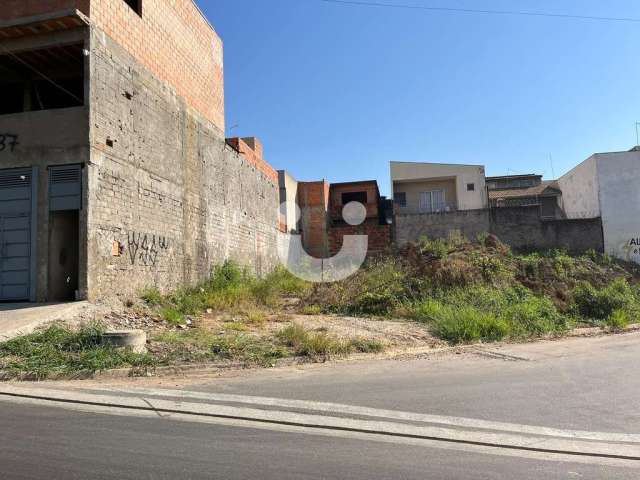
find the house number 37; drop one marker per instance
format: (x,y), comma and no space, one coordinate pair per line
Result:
(8,142)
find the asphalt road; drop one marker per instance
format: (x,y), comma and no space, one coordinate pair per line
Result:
(587,384)
(583,383)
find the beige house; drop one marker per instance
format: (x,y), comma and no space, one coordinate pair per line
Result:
(437,187)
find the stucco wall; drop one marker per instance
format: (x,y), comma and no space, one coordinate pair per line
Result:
(413,190)
(619,181)
(463,174)
(579,186)
(165,186)
(288,202)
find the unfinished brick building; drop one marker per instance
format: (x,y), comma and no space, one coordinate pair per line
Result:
(376,225)
(115,171)
(321,216)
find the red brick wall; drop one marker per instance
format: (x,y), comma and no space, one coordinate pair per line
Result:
(254,155)
(176,43)
(336,198)
(379,236)
(15,9)
(313,200)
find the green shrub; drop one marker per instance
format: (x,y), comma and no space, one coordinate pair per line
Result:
(376,289)
(618,320)
(456,239)
(426,310)
(285,282)
(366,345)
(312,309)
(436,247)
(375,303)
(534,317)
(602,259)
(316,344)
(530,264)
(152,296)
(172,316)
(563,263)
(599,304)
(491,268)
(227,275)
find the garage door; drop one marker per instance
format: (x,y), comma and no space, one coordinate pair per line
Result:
(16,193)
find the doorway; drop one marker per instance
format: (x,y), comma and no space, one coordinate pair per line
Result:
(64,232)
(64,246)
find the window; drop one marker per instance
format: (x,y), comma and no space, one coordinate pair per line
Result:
(135,5)
(348,197)
(400,199)
(433,201)
(471,187)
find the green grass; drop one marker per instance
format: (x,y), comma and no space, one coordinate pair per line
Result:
(204,345)
(229,289)
(312,309)
(319,344)
(618,320)
(469,325)
(172,316)
(488,314)
(248,349)
(58,350)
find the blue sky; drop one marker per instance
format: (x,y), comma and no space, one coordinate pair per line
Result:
(337,92)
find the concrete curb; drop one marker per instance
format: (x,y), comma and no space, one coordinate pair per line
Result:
(190,370)
(45,318)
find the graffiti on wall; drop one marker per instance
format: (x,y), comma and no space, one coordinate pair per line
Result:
(631,249)
(8,142)
(144,248)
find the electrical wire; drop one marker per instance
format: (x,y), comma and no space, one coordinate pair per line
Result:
(362,3)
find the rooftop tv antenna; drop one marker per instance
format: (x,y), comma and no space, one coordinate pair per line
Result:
(553,173)
(637,133)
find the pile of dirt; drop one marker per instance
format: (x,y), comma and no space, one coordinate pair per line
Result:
(552,273)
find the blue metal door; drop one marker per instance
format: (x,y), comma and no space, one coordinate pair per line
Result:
(16,194)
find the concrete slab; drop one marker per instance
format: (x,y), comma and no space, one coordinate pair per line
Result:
(22,318)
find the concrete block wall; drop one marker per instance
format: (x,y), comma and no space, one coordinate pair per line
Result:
(173,41)
(168,198)
(521,228)
(251,148)
(412,227)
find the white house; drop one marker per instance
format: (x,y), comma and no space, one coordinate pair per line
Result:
(437,187)
(607,185)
